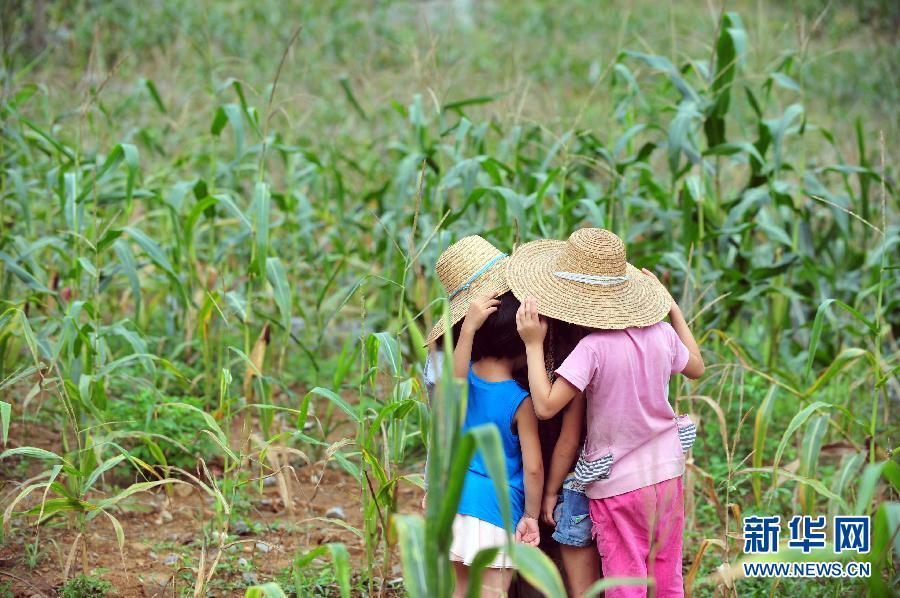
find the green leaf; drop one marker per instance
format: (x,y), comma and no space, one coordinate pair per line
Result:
(844,359)
(785,81)
(760,428)
(99,471)
(490,446)
(134,489)
(231,114)
(281,290)
(336,399)
(154,94)
(32,452)
(340,559)
(848,470)
(819,323)
(124,152)
(537,569)
(348,93)
(484,558)
(120,533)
(885,540)
(129,265)
(389,350)
(411,540)
(22,274)
(459,104)
(228,203)
(210,421)
(812,483)
(5,417)
(797,421)
(260,210)
(809,455)
(53,506)
(156,255)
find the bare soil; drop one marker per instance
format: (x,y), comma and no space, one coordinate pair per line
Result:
(166,532)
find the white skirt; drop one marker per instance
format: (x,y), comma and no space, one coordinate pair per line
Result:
(471,535)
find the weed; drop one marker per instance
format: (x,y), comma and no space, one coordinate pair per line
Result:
(85,586)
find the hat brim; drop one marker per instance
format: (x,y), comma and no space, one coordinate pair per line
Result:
(639,301)
(492,282)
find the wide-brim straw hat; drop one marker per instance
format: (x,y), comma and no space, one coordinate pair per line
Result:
(587,281)
(469,269)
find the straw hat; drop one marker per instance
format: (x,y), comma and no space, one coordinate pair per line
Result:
(586,281)
(468,269)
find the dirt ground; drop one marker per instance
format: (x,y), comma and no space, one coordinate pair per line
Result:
(165,534)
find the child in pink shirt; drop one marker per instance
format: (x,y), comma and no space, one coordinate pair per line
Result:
(633,457)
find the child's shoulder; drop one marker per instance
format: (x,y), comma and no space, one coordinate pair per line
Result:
(599,339)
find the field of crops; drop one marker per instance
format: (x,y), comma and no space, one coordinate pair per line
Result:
(218,229)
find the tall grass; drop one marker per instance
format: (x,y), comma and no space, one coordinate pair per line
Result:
(284,279)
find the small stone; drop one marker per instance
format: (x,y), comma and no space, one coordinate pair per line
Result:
(155,584)
(170,560)
(248,548)
(242,563)
(241,528)
(270,481)
(266,502)
(336,513)
(166,516)
(263,547)
(250,578)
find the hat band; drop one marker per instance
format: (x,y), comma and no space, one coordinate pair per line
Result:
(590,278)
(476,276)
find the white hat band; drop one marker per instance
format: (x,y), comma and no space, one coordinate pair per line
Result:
(590,278)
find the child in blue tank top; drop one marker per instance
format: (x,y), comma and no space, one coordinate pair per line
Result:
(488,353)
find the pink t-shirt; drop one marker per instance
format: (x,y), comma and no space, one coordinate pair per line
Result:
(625,376)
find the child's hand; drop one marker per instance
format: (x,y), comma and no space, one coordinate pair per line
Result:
(479,310)
(532,327)
(527,531)
(548,505)
(647,272)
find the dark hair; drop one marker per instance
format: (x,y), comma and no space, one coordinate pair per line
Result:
(561,340)
(498,336)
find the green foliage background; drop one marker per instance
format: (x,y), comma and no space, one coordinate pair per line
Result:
(199,208)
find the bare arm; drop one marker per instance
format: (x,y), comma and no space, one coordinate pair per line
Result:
(479,311)
(527,530)
(695,366)
(548,399)
(564,454)
(566,449)
(532,461)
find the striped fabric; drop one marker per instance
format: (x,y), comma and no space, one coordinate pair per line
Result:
(588,472)
(687,432)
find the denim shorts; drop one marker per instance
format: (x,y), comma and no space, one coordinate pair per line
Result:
(573,519)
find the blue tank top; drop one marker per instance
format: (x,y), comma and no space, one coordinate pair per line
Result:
(493,403)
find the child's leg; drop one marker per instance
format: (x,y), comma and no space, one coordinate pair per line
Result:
(495,582)
(665,563)
(462,579)
(581,565)
(622,527)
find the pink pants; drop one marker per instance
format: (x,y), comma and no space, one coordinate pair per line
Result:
(639,534)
